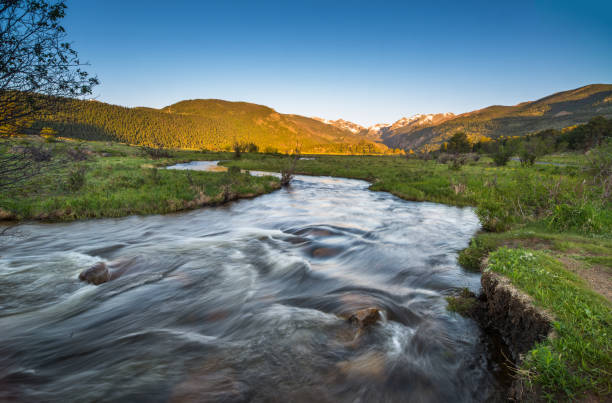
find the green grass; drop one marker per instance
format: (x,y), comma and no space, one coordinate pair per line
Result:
(121,180)
(579,358)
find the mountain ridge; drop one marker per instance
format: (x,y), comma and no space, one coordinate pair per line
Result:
(554,111)
(212,124)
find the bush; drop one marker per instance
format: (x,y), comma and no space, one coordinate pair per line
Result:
(157,152)
(584,218)
(600,167)
(271,150)
(501,156)
(494,216)
(443,158)
(39,154)
(527,157)
(78,153)
(458,144)
(473,157)
(471,257)
(232,171)
(252,148)
(238,149)
(76,178)
(457,162)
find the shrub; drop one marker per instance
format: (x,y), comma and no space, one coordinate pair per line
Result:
(252,148)
(238,149)
(76,178)
(39,154)
(78,153)
(443,158)
(425,156)
(157,152)
(471,257)
(457,162)
(585,218)
(458,144)
(233,171)
(527,157)
(600,167)
(501,156)
(494,216)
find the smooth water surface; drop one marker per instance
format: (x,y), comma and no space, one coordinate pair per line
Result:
(245,303)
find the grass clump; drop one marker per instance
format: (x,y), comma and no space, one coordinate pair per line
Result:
(579,358)
(463,303)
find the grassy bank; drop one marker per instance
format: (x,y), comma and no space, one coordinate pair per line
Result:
(547,228)
(80,180)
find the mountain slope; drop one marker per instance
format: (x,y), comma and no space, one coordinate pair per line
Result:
(559,110)
(204,123)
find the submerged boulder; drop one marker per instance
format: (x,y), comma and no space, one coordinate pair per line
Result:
(101,272)
(96,274)
(365,317)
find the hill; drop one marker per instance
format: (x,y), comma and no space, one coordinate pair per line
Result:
(556,111)
(203,124)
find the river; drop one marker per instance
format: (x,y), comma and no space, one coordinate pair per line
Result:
(244,302)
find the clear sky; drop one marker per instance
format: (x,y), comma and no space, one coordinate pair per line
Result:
(364,61)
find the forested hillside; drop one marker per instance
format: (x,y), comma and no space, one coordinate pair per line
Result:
(203,124)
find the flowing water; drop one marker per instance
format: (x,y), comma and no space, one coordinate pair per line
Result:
(245,302)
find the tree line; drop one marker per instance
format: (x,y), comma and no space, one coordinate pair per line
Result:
(528,148)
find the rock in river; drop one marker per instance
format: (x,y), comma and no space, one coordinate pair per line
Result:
(365,317)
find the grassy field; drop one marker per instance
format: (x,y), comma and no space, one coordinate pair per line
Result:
(98,179)
(547,228)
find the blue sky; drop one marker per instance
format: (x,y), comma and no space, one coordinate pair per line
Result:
(364,61)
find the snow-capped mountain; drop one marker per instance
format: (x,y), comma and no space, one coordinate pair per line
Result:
(379,131)
(422,120)
(342,124)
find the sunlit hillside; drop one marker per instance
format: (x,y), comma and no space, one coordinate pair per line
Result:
(204,124)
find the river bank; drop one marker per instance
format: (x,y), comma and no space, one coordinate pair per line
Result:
(82,180)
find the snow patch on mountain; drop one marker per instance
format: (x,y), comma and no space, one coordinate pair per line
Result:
(379,129)
(342,124)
